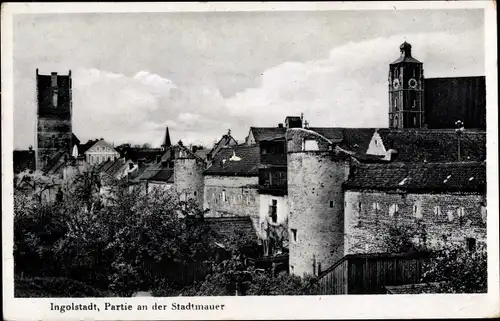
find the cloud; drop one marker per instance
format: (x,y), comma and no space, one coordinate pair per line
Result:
(137,108)
(348,88)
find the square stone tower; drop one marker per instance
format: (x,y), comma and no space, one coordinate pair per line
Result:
(54,128)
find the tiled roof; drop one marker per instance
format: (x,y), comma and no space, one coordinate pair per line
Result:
(163,175)
(353,139)
(24,160)
(245,163)
(144,154)
(227,228)
(267,133)
(405,59)
(134,177)
(82,148)
(226,140)
(436,177)
(426,145)
(56,162)
(202,153)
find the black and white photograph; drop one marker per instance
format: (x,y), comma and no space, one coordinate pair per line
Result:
(212,154)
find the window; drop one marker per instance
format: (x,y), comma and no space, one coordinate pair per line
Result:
(437,210)
(460,212)
(417,211)
(54,98)
(292,269)
(273,211)
(310,144)
(331,204)
(360,207)
(471,244)
(393,209)
(224,196)
(376,207)
(450,215)
(294,234)
(195,193)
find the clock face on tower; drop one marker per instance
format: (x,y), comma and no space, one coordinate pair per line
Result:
(412,83)
(395,83)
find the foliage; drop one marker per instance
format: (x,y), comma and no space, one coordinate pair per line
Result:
(124,245)
(234,277)
(458,270)
(404,237)
(43,287)
(453,268)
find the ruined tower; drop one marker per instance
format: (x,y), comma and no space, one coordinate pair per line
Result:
(406,91)
(188,175)
(54,129)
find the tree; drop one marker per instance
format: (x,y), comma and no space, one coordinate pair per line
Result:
(125,245)
(458,270)
(454,268)
(404,237)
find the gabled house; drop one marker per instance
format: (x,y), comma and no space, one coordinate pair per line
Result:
(101,152)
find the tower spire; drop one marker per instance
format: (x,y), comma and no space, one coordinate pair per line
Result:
(166,141)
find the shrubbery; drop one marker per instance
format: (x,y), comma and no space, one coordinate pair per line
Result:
(131,242)
(453,267)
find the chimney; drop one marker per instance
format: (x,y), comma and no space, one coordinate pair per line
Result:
(280,125)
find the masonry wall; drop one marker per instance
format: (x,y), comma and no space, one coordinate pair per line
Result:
(316,211)
(158,186)
(188,179)
(367,218)
(241,196)
(265,201)
(53,135)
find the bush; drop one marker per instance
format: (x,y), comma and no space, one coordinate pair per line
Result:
(123,245)
(458,270)
(56,287)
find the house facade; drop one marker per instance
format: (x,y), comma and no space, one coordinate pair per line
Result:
(101,152)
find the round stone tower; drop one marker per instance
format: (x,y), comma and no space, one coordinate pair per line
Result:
(188,175)
(316,172)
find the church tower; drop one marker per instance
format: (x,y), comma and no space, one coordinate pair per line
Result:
(406,91)
(54,128)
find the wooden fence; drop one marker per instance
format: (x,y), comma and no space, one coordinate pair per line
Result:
(177,274)
(370,273)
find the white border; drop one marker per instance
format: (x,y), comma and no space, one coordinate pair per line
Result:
(303,307)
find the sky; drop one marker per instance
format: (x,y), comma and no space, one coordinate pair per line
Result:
(203,73)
